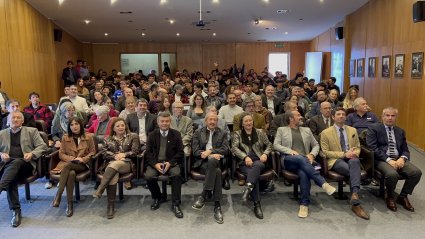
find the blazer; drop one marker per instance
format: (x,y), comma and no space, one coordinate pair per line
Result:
(95,125)
(259,121)
(317,125)
(278,121)
(283,141)
(241,150)
(28,120)
(377,140)
(220,144)
(174,151)
(31,142)
(69,151)
(150,123)
(130,147)
(276,102)
(329,142)
(185,128)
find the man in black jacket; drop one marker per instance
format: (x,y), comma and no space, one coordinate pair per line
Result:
(164,154)
(13,105)
(69,74)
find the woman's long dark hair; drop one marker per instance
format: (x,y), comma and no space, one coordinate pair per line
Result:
(80,122)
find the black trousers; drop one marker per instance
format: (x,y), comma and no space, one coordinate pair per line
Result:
(151,176)
(9,177)
(213,181)
(410,172)
(253,176)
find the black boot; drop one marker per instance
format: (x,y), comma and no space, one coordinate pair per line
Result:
(107,177)
(16,218)
(112,194)
(58,196)
(257,210)
(70,195)
(246,192)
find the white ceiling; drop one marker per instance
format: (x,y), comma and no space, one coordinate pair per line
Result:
(231,20)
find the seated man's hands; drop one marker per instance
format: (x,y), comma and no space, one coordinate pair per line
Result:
(5,157)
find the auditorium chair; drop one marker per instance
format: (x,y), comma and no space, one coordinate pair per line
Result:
(164,179)
(197,176)
(41,126)
(287,175)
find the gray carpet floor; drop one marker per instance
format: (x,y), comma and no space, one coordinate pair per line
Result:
(328,216)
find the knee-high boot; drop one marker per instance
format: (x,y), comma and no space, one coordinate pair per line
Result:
(107,177)
(70,194)
(62,183)
(112,193)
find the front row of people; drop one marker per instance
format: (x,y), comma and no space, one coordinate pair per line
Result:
(297,146)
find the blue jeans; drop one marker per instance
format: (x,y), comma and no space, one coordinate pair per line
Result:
(299,164)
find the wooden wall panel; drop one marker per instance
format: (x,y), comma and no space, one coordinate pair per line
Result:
(189,56)
(6,77)
(298,50)
(223,54)
(106,57)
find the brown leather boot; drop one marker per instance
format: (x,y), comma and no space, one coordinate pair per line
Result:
(70,194)
(112,193)
(107,177)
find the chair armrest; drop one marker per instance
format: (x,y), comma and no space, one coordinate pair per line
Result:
(324,163)
(53,161)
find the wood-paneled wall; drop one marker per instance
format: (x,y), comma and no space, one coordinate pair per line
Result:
(28,53)
(385,27)
(200,56)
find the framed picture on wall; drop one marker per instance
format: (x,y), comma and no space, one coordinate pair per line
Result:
(386,66)
(352,68)
(399,65)
(371,69)
(417,65)
(360,67)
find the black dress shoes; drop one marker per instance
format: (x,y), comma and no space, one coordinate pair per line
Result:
(404,201)
(391,204)
(155,205)
(218,215)
(177,211)
(258,211)
(246,192)
(226,184)
(199,204)
(16,218)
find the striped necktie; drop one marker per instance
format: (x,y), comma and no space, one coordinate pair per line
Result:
(391,143)
(342,140)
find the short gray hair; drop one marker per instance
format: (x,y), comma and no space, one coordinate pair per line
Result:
(102,110)
(357,101)
(389,108)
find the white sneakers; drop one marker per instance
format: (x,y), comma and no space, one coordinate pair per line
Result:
(48,185)
(303,212)
(328,188)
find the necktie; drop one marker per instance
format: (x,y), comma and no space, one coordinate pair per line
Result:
(391,143)
(327,122)
(342,139)
(163,134)
(178,121)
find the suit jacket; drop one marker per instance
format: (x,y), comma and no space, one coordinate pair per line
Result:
(120,105)
(185,128)
(283,141)
(317,125)
(278,121)
(377,141)
(150,123)
(31,142)
(241,150)
(28,120)
(174,151)
(330,144)
(259,121)
(69,151)
(276,102)
(220,144)
(95,125)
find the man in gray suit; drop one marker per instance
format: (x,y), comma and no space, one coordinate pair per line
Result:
(19,145)
(298,148)
(183,124)
(142,122)
(321,121)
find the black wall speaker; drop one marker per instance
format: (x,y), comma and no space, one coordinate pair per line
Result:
(57,35)
(339,33)
(419,11)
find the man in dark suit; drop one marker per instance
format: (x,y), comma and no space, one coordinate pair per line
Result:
(210,146)
(142,122)
(13,105)
(164,154)
(270,101)
(69,74)
(19,145)
(392,158)
(279,120)
(321,121)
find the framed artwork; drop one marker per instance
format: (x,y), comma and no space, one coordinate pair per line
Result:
(371,69)
(417,65)
(386,66)
(399,65)
(352,68)
(360,67)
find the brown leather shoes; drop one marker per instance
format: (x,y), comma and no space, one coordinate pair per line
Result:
(391,204)
(360,212)
(404,201)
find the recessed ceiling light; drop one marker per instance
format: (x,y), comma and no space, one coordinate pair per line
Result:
(60,2)
(162,2)
(266,1)
(177,34)
(106,34)
(286,33)
(87,21)
(171,21)
(216,1)
(113,1)
(143,34)
(214,34)
(322,1)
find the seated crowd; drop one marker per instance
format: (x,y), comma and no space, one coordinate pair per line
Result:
(206,126)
